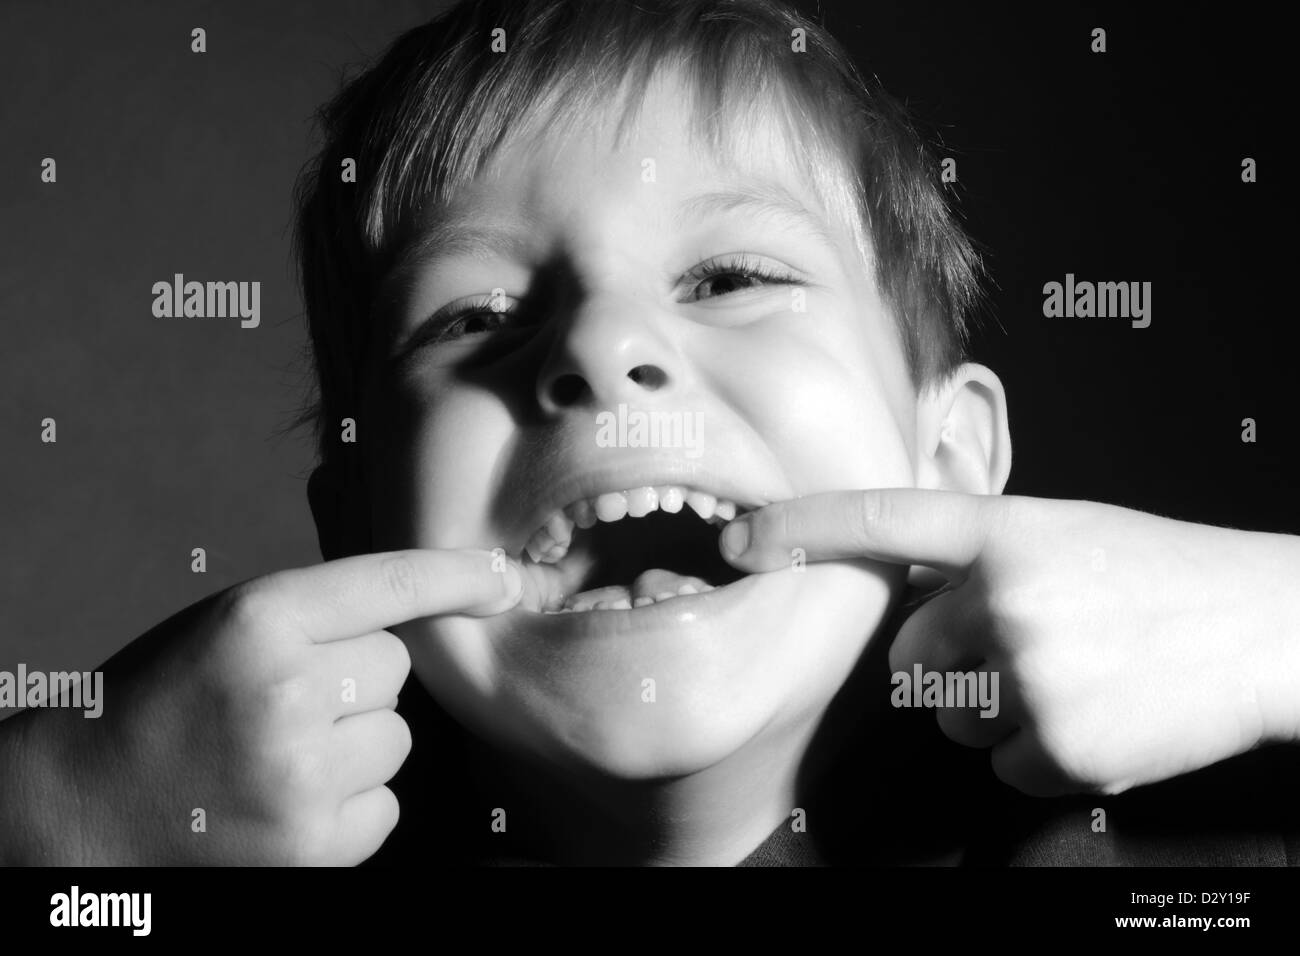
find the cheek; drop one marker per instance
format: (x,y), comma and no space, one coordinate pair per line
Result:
(812,392)
(430,477)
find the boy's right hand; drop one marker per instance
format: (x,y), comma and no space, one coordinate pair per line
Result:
(268,706)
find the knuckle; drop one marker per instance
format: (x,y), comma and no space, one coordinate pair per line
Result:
(1004,767)
(305,840)
(1015,511)
(780,526)
(244,607)
(375,825)
(392,805)
(304,769)
(395,649)
(1010,525)
(401,733)
(905,651)
(772,524)
(872,514)
(251,608)
(294,771)
(1014,603)
(900,657)
(961,727)
(391,737)
(952,725)
(388,810)
(397,573)
(287,701)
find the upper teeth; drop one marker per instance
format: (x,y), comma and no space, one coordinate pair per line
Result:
(550,542)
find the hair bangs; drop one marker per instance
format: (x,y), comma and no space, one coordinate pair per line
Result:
(583,72)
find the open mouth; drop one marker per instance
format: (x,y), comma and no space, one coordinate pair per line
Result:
(628,549)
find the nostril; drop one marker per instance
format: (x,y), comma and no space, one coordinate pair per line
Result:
(568,389)
(650,377)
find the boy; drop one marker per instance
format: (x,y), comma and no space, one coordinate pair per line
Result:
(572,213)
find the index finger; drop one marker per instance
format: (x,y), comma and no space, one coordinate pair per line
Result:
(944,530)
(352,596)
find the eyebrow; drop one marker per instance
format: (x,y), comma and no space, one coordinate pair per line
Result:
(463,235)
(764,199)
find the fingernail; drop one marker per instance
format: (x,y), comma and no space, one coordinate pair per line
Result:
(735,538)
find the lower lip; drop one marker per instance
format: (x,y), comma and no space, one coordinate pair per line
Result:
(685,616)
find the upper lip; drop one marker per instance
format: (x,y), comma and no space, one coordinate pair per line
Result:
(623,476)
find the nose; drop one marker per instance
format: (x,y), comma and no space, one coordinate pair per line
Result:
(610,352)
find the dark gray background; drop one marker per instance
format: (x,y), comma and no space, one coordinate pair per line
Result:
(1123,167)
(168,161)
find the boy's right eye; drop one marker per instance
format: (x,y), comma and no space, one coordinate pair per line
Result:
(472,322)
(473,315)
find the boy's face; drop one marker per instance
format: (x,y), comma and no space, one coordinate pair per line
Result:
(477,438)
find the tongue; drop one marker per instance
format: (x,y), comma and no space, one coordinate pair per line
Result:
(660,584)
(654,585)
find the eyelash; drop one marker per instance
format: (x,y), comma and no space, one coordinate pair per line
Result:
(742,265)
(737,265)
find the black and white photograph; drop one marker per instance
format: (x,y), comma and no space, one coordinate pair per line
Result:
(619,434)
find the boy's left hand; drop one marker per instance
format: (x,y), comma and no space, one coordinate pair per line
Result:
(1130,648)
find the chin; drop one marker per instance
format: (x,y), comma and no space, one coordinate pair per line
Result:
(665,690)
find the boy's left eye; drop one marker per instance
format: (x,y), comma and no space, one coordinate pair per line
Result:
(735,274)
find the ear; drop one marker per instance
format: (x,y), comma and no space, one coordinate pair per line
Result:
(963,436)
(336,505)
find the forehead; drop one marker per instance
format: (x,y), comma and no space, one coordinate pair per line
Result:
(658,144)
(655,156)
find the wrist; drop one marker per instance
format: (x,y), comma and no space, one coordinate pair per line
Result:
(1278,683)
